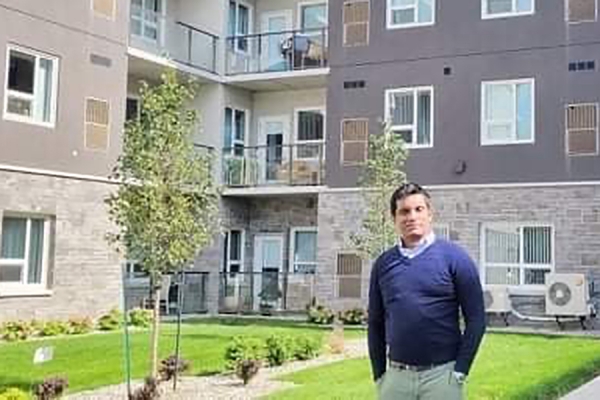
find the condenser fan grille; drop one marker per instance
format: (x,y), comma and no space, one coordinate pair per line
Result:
(559,293)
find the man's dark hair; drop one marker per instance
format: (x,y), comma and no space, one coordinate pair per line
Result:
(405,190)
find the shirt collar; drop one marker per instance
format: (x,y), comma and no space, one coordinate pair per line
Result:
(423,244)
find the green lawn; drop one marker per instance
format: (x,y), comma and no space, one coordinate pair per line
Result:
(97,360)
(509,366)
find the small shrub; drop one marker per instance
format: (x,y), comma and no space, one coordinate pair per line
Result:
(247,369)
(320,315)
(79,326)
(278,349)
(14,394)
(54,328)
(307,348)
(147,392)
(355,316)
(140,317)
(243,348)
(110,321)
(50,388)
(16,330)
(170,365)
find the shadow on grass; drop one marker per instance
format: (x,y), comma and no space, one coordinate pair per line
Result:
(561,385)
(16,382)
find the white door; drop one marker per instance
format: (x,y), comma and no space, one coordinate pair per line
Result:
(273,26)
(273,151)
(268,264)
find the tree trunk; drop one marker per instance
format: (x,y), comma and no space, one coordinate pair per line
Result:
(154,336)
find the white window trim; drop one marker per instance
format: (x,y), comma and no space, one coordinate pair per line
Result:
(583,21)
(160,25)
(240,262)
(248,36)
(299,229)
(485,141)
(522,288)
(486,15)
(413,127)
(567,129)
(130,278)
(389,18)
(311,3)
(54,98)
(295,142)
(23,288)
(235,141)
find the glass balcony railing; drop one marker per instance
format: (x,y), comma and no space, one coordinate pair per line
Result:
(153,32)
(291,165)
(277,51)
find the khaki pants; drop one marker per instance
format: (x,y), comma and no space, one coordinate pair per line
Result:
(437,383)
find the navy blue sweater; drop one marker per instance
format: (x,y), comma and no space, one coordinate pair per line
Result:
(413,308)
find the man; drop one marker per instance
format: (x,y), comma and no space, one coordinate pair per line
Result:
(416,290)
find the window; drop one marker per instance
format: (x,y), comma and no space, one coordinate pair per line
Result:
(310,126)
(134,270)
(24,251)
(97,118)
(410,115)
(355,141)
(313,17)
(349,276)
(235,131)
(147,20)
(517,254)
(507,112)
(410,13)
(31,82)
(132,109)
(239,24)
(233,251)
(506,8)
(304,250)
(105,8)
(582,10)
(582,129)
(356,23)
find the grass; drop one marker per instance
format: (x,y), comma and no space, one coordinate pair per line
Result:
(509,366)
(97,360)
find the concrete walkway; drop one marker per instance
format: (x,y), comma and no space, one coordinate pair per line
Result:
(589,391)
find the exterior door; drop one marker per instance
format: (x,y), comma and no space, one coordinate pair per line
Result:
(268,264)
(273,26)
(273,153)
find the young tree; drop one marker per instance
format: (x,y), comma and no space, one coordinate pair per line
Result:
(166,206)
(384,172)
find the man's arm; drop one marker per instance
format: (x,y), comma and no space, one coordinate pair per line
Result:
(376,326)
(470,298)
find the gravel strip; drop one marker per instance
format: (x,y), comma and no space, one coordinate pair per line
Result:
(228,386)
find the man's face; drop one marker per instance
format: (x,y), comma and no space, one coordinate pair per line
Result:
(413,218)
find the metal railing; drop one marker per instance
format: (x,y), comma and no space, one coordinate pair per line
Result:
(153,32)
(277,51)
(297,164)
(265,292)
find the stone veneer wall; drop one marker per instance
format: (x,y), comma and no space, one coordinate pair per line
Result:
(85,270)
(574,212)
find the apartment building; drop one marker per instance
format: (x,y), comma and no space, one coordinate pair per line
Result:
(64,74)
(496,99)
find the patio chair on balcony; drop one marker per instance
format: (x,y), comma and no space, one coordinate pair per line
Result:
(302,51)
(303,172)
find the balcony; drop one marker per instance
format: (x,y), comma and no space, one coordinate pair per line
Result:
(297,57)
(274,165)
(168,40)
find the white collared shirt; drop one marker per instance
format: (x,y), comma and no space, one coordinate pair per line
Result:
(423,244)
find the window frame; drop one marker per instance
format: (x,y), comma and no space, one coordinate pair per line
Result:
(483,135)
(344,143)
(292,258)
(160,24)
(227,242)
(237,34)
(567,130)
(521,265)
(414,91)
(339,277)
(567,20)
(389,16)
(7,115)
(302,4)
(296,142)
(234,141)
(514,13)
(22,287)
